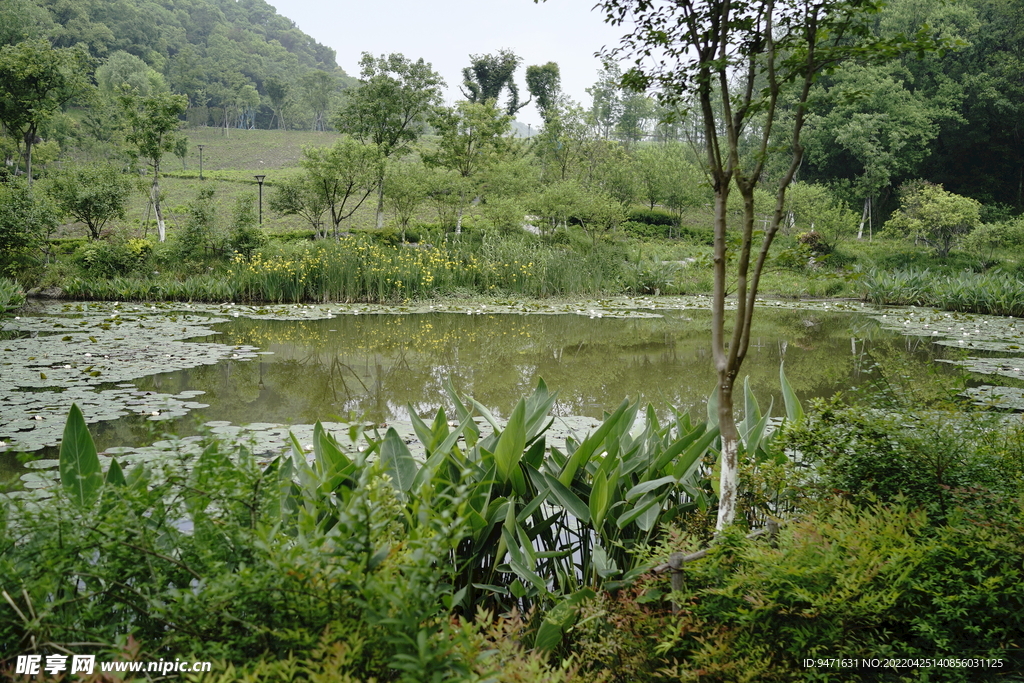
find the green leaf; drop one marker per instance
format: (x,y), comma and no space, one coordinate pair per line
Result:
(645,486)
(327,453)
(751,411)
(538,405)
(794,411)
(600,499)
(713,408)
(604,565)
(115,475)
(511,443)
(559,619)
(753,437)
(631,515)
(581,456)
(567,499)
(687,464)
(398,461)
(80,472)
(675,449)
(649,517)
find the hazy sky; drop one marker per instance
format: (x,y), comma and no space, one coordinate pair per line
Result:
(446,32)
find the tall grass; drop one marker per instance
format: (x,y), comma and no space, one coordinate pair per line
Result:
(358,269)
(994,292)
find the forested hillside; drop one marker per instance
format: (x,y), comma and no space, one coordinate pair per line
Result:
(953,117)
(240,60)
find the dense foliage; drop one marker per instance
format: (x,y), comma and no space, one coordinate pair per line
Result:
(208,50)
(350,559)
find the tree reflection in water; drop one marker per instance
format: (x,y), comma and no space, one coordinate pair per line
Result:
(374,366)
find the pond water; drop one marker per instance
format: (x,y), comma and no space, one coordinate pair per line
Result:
(374,367)
(287,369)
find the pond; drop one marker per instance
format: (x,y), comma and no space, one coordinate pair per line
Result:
(138,371)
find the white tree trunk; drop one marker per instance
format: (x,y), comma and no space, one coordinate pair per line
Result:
(155,199)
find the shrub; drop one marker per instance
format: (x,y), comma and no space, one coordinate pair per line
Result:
(647,216)
(918,455)
(246,234)
(870,582)
(112,258)
(25,219)
(11,296)
(643,230)
(814,241)
(936,217)
(196,239)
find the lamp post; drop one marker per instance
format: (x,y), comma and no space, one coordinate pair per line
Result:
(259,179)
(200,160)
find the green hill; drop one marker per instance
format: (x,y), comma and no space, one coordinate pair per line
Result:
(217,52)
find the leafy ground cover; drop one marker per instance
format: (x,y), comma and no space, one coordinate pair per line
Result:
(503,557)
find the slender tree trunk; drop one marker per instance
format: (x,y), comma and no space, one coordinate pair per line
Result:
(380,202)
(863,218)
(155,199)
(29,139)
(728,480)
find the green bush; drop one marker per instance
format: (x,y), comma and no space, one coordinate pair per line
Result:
(11,296)
(66,245)
(293,236)
(652,217)
(917,455)
(25,220)
(198,238)
(871,582)
(214,561)
(246,234)
(642,230)
(106,259)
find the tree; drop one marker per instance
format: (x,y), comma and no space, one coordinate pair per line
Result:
(472,136)
(151,130)
(122,69)
(638,112)
(545,83)
(606,99)
(869,129)
(813,208)
(92,194)
(317,88)
(344,175)
(277,93)
(407,190)
(597,212)
(562,144)
(488,76)
(25,218)
(449,192)
(299,196)
(736,58)
(390,107)
(930,214)
(23,20)
(36,81)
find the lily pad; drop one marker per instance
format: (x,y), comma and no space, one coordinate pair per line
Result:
(1006,398)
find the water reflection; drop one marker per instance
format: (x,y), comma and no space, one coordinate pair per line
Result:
(374,366)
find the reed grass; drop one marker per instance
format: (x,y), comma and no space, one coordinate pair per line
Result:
(993,292)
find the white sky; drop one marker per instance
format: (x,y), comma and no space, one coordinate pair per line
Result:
(446,32)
